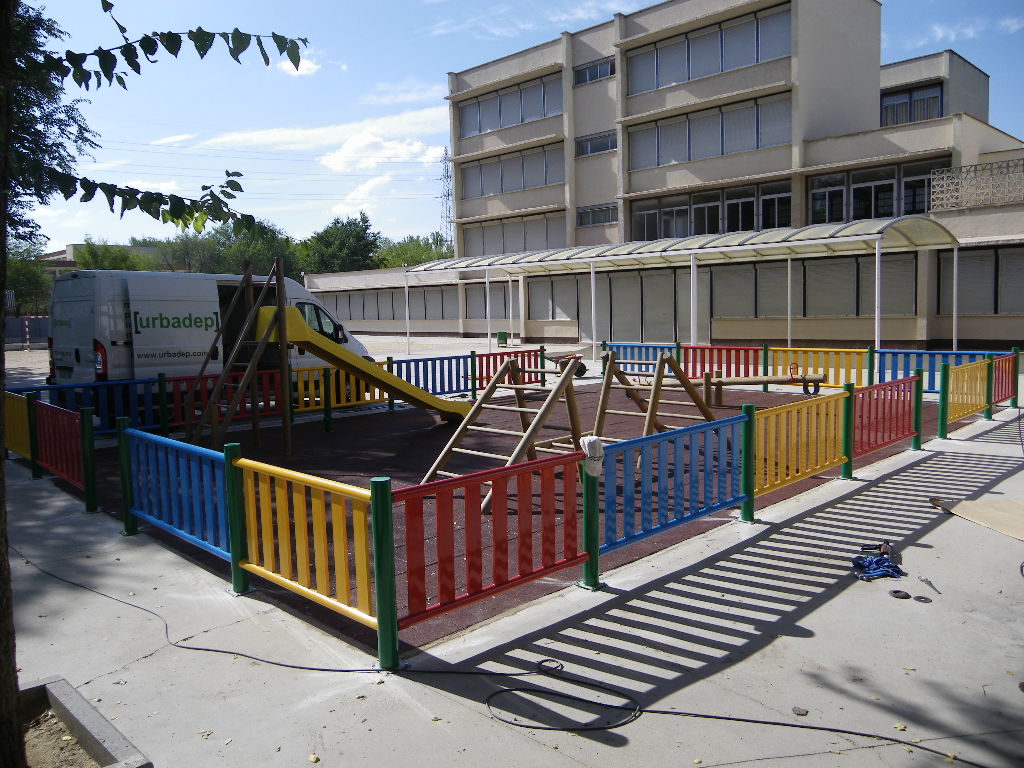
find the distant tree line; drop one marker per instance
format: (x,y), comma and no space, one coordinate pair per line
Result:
(344,245)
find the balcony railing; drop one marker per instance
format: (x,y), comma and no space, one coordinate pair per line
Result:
(967,186)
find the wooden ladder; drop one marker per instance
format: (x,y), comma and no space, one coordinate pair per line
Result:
(649,396)
(532,420)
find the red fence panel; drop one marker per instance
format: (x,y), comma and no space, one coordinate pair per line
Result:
(488,364)
(883,414)
(731,361)
(1003,384)
(268,395)
(59,440)
(456,553)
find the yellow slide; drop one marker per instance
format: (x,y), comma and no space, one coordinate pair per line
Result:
(304,337)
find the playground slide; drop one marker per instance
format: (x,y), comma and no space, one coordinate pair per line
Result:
(304,337)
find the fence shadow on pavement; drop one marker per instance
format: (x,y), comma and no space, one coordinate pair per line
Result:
(696,622)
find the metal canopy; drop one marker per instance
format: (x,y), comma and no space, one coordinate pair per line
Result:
(817,240)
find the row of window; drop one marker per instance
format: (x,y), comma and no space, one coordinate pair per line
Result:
(511,106)
(530,233)
(595,70)
(911,105)
(872,193)
(735,128)
(594,215)
(990,281)
(514,171)
(707,51)
(739,209)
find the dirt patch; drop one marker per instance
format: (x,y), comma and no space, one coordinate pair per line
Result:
(49,744)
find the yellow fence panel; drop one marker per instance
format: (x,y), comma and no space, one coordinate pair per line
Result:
(302,533)
(841,366)
(967,389)
(345,390)
(795,441)
(16,437)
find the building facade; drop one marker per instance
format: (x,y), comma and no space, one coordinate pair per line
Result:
(705,117)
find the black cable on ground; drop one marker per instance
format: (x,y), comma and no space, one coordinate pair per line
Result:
(553,668)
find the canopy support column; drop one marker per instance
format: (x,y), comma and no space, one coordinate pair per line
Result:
(408,328)
(956,297)
(593,313)
(693,299)
(511,325)
(487,306)
(789,301)
(878,293)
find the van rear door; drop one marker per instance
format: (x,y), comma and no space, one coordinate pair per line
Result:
(72,317)
(174,319)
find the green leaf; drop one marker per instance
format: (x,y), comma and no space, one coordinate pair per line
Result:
(149,45)
(280,41)
(151,203)
(176,206)
(107,6)
(232,185)
(233,174)
(107,62)
(239,43)
(110,192)
(88,190)
(131,57)
(202,40)
(78,75)
(75,60)
(120,81)
(99,78)
(263,51)
(128,203)
(228,195)
(67,184)
(171,41)
(293,54)
(248,220)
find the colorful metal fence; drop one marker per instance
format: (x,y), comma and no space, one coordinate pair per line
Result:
(449,375)
(178,488)
(266,384)
(883,414)
(695,359)
(344,389)
(310,536)
(791,442)
(59,442)
(840,366)
(16,430)
(656,482)
(487,365)
(1004,377)
(900,363)
(503,549)
(137,399)
(963,390)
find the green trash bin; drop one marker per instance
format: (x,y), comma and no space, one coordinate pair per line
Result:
(502,338)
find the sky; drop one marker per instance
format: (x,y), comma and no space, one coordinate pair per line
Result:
(363,124)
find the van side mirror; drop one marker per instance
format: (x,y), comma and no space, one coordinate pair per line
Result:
(339,333)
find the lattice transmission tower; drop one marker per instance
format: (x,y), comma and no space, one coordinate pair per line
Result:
(446,199)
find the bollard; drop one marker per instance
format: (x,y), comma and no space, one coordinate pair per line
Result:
(848,421)
(943,401)
(384,572)
(593,465)
(747,466)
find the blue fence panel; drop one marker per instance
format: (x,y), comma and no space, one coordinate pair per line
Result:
(660,481)
(180,489)
(438,375)
(630,351)
(892,364)
(138,399)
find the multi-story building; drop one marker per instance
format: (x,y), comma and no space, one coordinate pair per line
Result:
(707,117)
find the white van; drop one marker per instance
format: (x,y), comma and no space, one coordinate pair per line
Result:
(116,324)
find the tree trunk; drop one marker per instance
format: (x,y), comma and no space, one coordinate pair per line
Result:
(12,744)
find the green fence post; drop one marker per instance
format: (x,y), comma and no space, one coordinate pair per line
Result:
(591,540)
(848,420)
(871,364)
(915,444)
(764,365)
(236,519)
(472,375)
(679,353)
(33,436)
(1016,376)
(129,522)
(943,401)
(543,378)
(604,362)
(326,397)
(390,369)
(989,386)
(384,572)
(88,459)
(747,467)
(161,388)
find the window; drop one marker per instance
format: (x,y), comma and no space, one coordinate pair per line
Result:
(672,66)
(707,208)
(917,185)
(776,205)
(830,287)
(739,43)
(873,193)
(739,209)
(773,34)
(977,282)
(643,147)
(828,198)
(511,106)
(554,160)
(739,128)
(598,142)
(705,135)
(595,70)
(513,172)
(705,53)
(593,215)
(673,146)
(533,169)
(643,71)
(490,173)
(774,121)
(644,220)
(730,210)
(514,235)
(470,181)
(911,105)
(675,216)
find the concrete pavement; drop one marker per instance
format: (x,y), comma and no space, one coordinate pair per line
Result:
(746,621)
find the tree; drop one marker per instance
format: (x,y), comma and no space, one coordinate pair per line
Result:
(28,278)
(259,245)
(39,142)
(102,255)
(343,246)
(414,249)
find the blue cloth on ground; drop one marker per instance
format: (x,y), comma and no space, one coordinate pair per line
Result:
(871,567)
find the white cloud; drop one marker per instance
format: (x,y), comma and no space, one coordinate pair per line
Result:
(367,197)
(174,139)
(404,125)
(106,165)
(509,20)
(368,151)
(151,185)
(944,34)
(1012,25)
(306,67)
(408,90)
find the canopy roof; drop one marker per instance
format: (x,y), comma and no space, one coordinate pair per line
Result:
(850,239)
